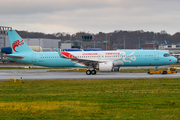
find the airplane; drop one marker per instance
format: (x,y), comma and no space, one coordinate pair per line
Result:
(92,60)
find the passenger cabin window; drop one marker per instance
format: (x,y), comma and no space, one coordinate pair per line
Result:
(166,55)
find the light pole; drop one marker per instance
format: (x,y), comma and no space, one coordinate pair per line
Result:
(124,41)
(106,42)
(139,41)
(39,44)
(109,41)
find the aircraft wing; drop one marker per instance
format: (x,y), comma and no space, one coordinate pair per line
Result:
(14,56)
(83,61)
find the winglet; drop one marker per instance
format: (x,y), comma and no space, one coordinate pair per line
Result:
(60,54)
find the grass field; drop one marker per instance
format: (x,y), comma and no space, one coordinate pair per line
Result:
(126,99)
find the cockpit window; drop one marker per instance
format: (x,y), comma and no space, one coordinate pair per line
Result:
(166,55)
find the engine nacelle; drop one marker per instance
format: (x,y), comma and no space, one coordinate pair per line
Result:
(7,50)
(106,66)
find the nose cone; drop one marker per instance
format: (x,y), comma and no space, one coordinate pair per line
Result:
(174,60)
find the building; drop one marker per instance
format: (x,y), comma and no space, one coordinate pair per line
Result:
(45,44)
(150,46)
(173,49)
(87,41)
(76,44)
(4,39)
(66,45)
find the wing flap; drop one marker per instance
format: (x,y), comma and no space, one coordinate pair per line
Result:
(85,61)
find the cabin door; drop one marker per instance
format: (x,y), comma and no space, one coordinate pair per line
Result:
(156,55)
(33,57)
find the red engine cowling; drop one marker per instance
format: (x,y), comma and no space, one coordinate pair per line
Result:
(106,66)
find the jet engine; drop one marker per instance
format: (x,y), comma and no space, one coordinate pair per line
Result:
(106,66)
(7,50)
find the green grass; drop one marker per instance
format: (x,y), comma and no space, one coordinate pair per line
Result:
(126,99)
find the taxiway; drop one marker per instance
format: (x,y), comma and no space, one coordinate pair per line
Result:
(43,74)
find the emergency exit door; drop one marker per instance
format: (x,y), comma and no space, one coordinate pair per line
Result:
(156,55)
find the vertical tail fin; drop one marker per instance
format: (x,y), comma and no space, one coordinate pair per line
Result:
(17,43)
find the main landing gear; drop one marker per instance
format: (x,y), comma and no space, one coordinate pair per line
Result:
(89,72)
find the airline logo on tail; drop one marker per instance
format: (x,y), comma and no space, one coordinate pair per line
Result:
(16,44)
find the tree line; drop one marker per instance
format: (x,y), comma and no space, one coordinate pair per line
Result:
(132,38)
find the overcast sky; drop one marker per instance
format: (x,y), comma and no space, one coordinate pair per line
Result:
(71,16)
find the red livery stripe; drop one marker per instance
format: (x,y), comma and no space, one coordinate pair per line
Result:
(69,55)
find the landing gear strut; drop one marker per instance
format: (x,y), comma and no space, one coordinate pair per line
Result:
(156,68)
(89,72)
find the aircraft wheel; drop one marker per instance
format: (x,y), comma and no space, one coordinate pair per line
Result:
(149,73)
(93,72)
(88,72)
(164,72)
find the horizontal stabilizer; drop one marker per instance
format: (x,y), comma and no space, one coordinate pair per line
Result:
(14,56)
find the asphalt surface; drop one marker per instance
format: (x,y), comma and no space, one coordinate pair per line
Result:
(43,74)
